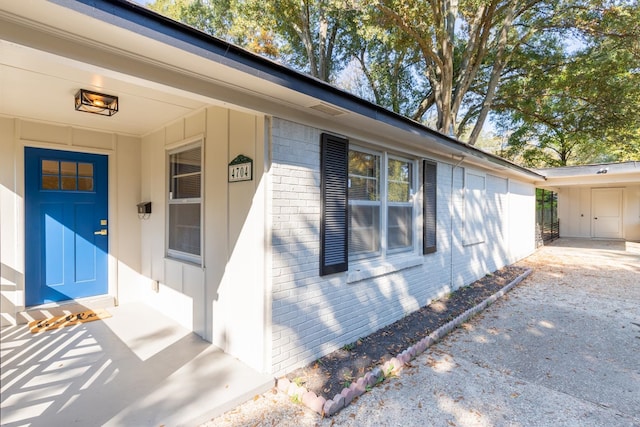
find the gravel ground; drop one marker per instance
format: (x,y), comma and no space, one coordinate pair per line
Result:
(560,349)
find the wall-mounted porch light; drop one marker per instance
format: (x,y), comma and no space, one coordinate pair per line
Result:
(96,103)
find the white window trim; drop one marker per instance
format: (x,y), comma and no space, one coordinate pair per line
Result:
(474,236)
(197,141)
(413,199)
(379,203)
(387,261)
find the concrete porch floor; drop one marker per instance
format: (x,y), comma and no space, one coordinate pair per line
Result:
(137,368)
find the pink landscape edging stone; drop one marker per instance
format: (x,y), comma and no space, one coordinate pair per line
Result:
(330,407)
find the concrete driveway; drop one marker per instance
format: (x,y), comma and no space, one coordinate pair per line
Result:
(561,349)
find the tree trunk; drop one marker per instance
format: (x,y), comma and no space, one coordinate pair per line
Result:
(304,32)
(446,18)
(496,73)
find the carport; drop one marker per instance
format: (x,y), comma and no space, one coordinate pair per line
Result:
(599,201)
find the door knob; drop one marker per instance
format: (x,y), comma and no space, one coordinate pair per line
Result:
(102,232)
(595,217)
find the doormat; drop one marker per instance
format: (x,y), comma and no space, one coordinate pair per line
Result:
(68,320)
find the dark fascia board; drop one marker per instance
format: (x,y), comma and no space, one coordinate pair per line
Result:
(143,21)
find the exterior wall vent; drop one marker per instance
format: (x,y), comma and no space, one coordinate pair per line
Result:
(328,109)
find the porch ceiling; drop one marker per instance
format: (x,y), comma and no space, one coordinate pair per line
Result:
(41,86)
(49,52)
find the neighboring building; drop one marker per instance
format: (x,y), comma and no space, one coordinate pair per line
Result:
(287,217)
(597,201)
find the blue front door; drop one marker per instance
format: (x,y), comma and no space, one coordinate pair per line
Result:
(66,225)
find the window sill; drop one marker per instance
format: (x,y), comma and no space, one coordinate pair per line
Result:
(473,243)
(367,269)
(188,262)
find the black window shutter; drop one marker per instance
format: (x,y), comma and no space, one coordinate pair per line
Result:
(334,169)
(429,174)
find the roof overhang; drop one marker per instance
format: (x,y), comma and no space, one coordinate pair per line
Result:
(162,70)
(602,175)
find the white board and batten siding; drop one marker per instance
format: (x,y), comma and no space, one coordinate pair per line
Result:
(222,296)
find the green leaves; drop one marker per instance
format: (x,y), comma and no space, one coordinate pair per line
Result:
(575,103)
(560,77)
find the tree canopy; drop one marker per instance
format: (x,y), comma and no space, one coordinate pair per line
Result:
(559,108)
(559,80)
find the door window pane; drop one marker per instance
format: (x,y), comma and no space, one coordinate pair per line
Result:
(68,182)
(50,167)
(85,184)
(68,168)
(50,175)
(85,176)
(50,182)
(85,169)
(67,176)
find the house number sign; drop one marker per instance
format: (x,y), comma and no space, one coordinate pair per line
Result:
(241,169)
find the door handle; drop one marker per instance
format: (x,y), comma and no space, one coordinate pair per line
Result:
(102,232)
(595,217)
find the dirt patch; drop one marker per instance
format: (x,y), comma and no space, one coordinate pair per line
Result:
(328,375)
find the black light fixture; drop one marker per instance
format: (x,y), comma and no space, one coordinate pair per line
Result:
(96,103)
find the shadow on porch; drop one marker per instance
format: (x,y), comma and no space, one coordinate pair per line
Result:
(135,368)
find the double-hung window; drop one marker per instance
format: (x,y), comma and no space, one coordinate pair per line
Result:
(381,207)
(185,203)
(369,205)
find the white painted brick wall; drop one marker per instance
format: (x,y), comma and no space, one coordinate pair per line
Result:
(314,315)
